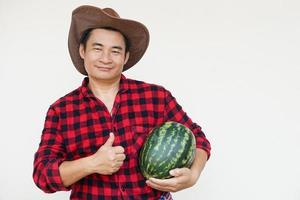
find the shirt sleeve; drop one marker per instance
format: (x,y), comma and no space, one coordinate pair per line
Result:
(174,112)
(50,154)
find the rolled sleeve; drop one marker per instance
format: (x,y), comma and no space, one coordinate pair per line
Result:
(174,112)
(50,154)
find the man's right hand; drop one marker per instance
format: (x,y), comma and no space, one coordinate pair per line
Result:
(108,159)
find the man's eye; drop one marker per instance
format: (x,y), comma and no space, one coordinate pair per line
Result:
(115,52)
(97,49)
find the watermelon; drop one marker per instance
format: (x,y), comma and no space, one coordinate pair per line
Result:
(168,146)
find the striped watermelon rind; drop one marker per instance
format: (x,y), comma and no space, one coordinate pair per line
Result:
(169,146)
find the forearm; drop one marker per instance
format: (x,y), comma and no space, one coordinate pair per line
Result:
(73,171)
(199,163)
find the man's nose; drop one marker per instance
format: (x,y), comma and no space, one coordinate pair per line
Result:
(105,57)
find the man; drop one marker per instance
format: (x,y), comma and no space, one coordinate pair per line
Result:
(92,136)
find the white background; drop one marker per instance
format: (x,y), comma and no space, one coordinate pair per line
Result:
(233,65)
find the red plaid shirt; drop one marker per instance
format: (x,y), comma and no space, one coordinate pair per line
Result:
(78,124)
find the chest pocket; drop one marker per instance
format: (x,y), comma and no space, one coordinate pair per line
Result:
(138,135)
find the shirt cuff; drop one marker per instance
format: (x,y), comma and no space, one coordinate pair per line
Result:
(53,176)
(204,145)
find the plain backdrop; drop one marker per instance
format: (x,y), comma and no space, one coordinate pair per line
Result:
(233,65)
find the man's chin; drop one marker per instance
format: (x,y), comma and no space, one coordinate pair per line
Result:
(106,77)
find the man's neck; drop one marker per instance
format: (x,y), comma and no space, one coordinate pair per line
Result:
(101,88)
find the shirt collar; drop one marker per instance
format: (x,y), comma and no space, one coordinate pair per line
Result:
(87,92)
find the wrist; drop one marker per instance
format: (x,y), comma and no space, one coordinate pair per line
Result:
(89,166)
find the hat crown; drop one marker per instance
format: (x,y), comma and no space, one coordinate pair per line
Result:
(111,12)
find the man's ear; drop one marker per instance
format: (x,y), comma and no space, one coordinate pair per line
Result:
(126,57)
(81,51)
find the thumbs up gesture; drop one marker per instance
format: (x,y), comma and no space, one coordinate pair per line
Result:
(108,159)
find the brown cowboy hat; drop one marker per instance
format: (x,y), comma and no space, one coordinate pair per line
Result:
(87,17)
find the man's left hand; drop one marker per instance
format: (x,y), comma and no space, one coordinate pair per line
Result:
(183,178)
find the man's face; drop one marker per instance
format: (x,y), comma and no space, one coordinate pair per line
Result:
(104,55)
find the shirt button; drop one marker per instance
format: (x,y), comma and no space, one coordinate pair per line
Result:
(123,188)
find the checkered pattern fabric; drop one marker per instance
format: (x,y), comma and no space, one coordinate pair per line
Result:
(78,124)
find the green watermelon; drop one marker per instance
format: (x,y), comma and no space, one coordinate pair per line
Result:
(169,146)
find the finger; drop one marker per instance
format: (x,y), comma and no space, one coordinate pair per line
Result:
(159,187)
(120,157)
(118,149)
(116,165)
(163,182)
(119,164)
(110,140)
(178,172)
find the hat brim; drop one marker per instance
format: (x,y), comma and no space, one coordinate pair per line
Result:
(87,17)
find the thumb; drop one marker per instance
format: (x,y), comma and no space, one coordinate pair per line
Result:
(178,172)
(110,140)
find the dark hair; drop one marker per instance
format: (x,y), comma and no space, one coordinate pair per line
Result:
(87,33)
